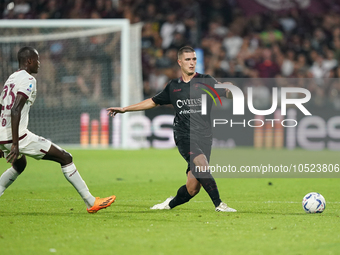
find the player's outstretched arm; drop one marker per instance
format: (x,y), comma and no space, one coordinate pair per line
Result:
(19,103)
(144,105)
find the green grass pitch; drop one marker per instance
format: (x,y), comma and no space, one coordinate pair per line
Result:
(41,213)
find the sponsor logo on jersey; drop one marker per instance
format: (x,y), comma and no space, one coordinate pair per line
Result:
(189,111)
(177,90)
(189,102)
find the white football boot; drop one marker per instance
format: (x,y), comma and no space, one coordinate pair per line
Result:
(162,206)
(224,208)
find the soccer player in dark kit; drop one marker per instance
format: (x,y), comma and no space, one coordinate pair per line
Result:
(192,130)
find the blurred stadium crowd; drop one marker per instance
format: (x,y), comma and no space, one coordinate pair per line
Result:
(288,44)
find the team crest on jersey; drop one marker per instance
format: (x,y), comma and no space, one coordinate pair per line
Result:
(30,87)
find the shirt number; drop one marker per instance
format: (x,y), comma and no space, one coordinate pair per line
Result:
(11,94)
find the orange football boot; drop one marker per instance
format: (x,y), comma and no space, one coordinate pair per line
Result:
(101,203)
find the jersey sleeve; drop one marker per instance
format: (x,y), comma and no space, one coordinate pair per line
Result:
(163,97)
(26,86)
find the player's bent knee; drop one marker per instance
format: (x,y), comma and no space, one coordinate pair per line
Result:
(200,160)
(20,164)
(193,192)
(67,157)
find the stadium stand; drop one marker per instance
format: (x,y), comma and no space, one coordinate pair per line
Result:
(239,39)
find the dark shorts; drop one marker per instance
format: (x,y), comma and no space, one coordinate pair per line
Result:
(191,149)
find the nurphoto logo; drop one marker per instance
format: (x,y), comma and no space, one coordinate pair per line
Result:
(239,98)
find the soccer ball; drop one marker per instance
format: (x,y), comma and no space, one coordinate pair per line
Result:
(313,203)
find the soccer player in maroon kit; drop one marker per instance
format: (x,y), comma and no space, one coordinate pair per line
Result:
(192,130)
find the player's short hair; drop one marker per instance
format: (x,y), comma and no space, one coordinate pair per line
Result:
(25,53)
(184,49)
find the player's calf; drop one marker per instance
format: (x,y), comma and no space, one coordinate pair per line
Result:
(12,173)
(209,184)
(7,178)
(193,185)
(182,197)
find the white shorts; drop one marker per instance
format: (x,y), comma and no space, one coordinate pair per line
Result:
(30,145)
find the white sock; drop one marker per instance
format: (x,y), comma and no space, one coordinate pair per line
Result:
(7,178)
(72,175)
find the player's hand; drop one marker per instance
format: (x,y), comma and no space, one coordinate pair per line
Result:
(228,93)
(2,154)
(112,111)
(14,154)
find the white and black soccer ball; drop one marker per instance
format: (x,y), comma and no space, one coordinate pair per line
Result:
(313,203)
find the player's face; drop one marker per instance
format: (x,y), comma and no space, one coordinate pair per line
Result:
(187,62)
(34,63)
